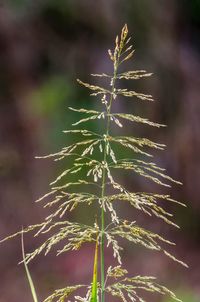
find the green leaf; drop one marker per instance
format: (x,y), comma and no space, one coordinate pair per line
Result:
(32,287)
(94,281)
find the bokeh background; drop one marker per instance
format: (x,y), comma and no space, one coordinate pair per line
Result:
(44,46)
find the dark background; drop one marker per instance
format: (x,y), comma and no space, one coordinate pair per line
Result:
(44,46)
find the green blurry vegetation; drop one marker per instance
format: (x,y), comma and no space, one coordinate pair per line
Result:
(193,9)
(18,5)
(51,101)
(51,95)
(186,296)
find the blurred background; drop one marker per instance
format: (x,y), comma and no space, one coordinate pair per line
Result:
(44,46)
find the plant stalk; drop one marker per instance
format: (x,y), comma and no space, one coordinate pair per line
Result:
(104,187)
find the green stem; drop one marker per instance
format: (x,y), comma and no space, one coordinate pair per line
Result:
(103,189)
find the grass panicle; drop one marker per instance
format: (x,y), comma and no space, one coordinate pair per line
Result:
(92,179)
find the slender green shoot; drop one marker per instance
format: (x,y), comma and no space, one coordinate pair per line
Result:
(94,296)
(30,281)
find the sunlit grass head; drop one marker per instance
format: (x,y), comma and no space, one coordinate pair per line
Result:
(92,178)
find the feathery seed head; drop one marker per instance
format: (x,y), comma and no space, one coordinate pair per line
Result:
(67,192)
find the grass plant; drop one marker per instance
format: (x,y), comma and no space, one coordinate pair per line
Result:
(101,187)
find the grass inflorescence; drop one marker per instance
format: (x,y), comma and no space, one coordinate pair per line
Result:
(100,174)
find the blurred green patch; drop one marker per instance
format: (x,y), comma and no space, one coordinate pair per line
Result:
(18,4)
(50,101)
(51,94)
(194,6)
(185,295)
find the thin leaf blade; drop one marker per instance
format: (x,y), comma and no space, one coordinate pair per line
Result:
(30,281)
(94,297)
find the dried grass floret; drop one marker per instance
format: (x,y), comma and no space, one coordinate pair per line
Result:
(126,289)
(60,295)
